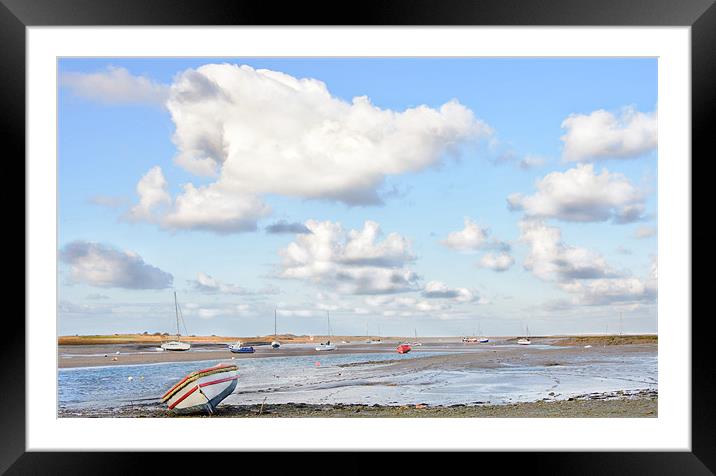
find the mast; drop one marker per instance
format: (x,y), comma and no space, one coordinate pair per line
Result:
(328,316)
(176,312)
(274,323)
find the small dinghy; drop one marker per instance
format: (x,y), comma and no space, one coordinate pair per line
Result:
(403,349)
(240,348)
(203,390)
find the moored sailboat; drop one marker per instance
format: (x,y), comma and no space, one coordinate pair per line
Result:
(323,346)
(525,340)
(176,345)
(275,344)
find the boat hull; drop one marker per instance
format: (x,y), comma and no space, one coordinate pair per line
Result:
(242,350)
(176,346)
(403,349)
(323,348)
(202,391)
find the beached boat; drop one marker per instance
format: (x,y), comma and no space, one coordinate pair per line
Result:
(240,348)
(203,390)
(177,344)
(275,344)
(324,346)
(403,348)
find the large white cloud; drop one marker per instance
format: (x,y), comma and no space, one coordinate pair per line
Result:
(115,85)
(259,132)
(102,265)
(582,195)
(551,259)
(603,135)
(350,262)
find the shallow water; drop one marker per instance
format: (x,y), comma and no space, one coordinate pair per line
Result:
(321,379)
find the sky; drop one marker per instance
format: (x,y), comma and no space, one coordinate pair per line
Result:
(428,196)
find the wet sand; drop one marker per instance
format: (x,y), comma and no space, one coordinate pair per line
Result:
(639,404)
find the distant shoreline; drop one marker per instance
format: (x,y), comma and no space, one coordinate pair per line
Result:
(611,339)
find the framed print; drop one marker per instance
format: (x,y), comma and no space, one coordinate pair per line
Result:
(424,228)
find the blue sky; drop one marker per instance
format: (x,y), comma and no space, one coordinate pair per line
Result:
(566,208)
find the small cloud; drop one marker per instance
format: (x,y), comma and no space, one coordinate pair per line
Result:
(582,195)
(108,201)
(604,135)
(645,232)
(103,265)
(97,297)
(497,262)
(115,85)
(531,161)
(284,227)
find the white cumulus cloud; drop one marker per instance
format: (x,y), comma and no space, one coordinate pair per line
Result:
(102,265)
(472,237)
(604,135)
(153,194)
(440,290)
(257,132)
(497,261)
(550,258)
(582,195)
(350,262)
(115,85)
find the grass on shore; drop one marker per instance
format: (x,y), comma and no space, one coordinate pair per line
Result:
(609,340)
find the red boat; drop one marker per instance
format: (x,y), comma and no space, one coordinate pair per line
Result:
(403,348)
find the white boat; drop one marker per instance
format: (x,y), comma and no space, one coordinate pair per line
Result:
(275,344)
(525,340)
(203,390)
(323,346)
(176,344)
(417,342)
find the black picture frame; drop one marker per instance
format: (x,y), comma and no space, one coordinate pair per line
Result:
(700,15)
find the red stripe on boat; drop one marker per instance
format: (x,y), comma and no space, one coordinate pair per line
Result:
(197,372)
(205,384)
(214,382)
(183,397)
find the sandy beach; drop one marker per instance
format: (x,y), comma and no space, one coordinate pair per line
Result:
(642,404)
(442,377)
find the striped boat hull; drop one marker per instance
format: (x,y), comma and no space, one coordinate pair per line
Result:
(202,391)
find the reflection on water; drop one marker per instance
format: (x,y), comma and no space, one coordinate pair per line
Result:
(327,379)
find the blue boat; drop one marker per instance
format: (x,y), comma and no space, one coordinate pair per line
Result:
(239,348)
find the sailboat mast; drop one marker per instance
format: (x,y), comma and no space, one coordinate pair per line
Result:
(176,312)
(274,323)
(328,316)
